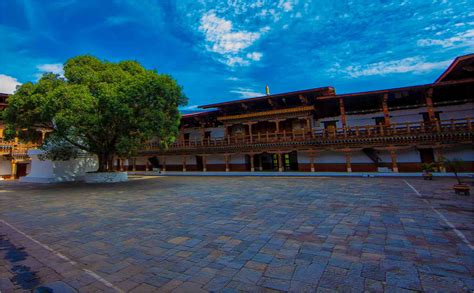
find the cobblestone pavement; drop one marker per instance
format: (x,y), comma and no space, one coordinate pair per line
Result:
(194,234)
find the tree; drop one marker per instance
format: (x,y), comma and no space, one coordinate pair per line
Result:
(104,108)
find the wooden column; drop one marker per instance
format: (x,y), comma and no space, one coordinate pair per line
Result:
(163,162)
(249,124)
(184,163)
(120,165)
(343,112)
(203,133)
(13,169)
(181,133)
(348,161)
(386,114)
(226,158)
(440,159)
(252,163)
(311,161)
(429,105)
(204,161)
(280,163)
(134,162)
(260,167)
(393,156)
(146,166)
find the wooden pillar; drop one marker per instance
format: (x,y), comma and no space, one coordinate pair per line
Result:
(181,133)
(250,131)
(440,160)
(120,165)
(146,166)
(204,161)
(429,105)
(343,112)
(348,161)
(309,124)
(311,161)
(260,167)
(393,156)
(280,163)
(252,167)
(386,114)
(134,167)
(163,160)
(226,158)
(13,169)
(43,136)
(184,163)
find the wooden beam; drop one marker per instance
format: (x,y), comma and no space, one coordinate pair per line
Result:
(386,114)
(342,112)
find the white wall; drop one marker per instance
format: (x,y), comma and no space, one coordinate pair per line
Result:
(5,166)
(465,153)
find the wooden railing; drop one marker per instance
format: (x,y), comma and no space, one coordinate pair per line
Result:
(352,132)
(15,149)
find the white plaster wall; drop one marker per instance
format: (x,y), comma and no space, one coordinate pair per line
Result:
(5,166)
(216,132)
(411,155)
(303,158)
(456,111)
(330,157)
(174,160)
(141,160)
(237,159)
(194,133)
(216,159)
(360,157)
(465,153)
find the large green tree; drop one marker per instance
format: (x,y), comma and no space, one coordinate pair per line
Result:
(105,108)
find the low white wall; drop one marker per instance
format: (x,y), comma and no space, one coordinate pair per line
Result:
(5,166)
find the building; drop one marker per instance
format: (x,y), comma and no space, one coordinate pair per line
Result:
(317,130)
(14,161)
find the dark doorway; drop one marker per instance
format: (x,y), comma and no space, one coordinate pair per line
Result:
(199,164)
(426,155)
(21,170)
(155,163)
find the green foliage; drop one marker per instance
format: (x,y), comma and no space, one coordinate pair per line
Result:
(457,165)
(101,107)
(428,167)
(57,149)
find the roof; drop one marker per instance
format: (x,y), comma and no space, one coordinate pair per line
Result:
(400,89)
(198,114)
(462,67)
(313,90)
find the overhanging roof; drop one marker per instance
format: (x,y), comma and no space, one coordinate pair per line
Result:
(281,95)
(461,68)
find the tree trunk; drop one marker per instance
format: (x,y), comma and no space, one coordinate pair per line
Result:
(106,162)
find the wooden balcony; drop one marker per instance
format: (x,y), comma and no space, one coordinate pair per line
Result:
(410,133)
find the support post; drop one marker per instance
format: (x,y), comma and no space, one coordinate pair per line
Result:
(260,167)
(134,166)
(204,161)
(429,105)
(393,156)
(280,163)
(164,164)
(311,161)
(252,167)
(348,161)
(342,110)
(184,163)
(386,114)
(226,157)
(13,169)
(440,160)
(146,166)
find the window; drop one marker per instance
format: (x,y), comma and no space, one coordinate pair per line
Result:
(330,124)
(426,118)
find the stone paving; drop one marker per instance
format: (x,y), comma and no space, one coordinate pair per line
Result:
(194,234)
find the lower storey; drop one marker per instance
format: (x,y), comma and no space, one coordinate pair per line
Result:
(365,160)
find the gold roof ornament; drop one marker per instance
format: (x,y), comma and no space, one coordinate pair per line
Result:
(267,90)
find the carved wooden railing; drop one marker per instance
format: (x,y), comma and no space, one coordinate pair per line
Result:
(15,149)
(352,133)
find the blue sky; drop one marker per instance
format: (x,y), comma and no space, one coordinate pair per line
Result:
(229,49)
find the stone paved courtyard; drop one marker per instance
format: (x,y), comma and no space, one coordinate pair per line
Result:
(193,234)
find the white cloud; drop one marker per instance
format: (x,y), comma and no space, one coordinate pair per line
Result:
(190,107)
(56,68)
(463,39)
(246,92)
(229,43)
(8,84)
(413,64)
(255,56)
